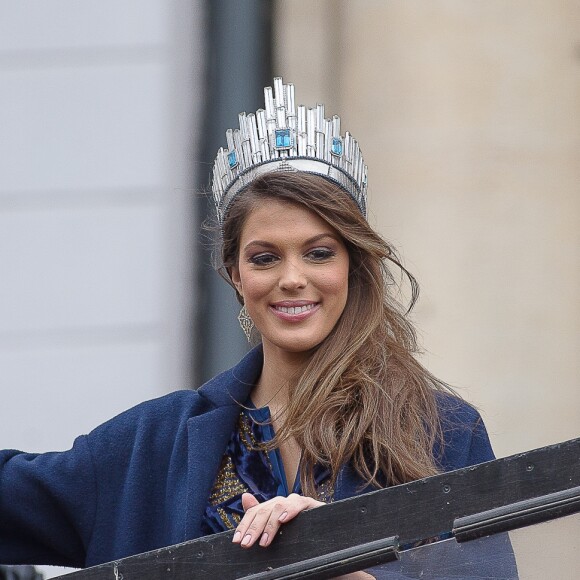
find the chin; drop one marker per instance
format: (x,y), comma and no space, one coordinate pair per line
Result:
(296,346)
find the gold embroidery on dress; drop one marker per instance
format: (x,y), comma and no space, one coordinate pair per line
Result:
(248,439)
(325,491)
(227,483)
(227,519)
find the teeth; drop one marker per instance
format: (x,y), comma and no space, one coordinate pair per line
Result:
(295,309)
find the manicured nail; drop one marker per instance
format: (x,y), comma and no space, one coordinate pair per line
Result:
(264,539)
(247,539)
(237,536)
(283,517)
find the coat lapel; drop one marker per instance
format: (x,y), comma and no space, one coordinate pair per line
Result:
(209,432)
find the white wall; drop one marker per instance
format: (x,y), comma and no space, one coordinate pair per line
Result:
(99,104)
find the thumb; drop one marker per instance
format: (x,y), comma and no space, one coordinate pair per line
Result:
(248,501)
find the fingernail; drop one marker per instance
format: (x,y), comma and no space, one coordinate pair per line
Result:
(264,539)
(247,539)
(237,536)
(283,517)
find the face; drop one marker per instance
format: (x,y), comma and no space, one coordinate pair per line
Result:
(292,273)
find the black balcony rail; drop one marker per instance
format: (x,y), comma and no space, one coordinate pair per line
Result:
(378,527)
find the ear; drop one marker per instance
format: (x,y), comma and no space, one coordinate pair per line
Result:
(236,280)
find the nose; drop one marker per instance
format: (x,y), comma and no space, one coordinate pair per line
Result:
(292,275)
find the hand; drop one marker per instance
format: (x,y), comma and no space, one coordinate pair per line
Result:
(263,520)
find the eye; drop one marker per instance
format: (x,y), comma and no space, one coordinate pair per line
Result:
(320,254)
(263,259)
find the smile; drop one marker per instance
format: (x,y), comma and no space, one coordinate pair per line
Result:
(294,312)
(294,309)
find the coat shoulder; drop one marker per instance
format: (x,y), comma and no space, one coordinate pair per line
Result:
(465,440)
(154,425)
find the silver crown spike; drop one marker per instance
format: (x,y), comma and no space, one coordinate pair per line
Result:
(253,131)
(261,119)
(217,188)
(278,92)
(347,146)
(320,148)
(361,167)
(230,139)
(302,143)
(290,100)
(281,118)
(301,127)
(238,144)
(222,180)
(336,126)
(247,153)
(265,149)
(221,168)
(356,162)
(271,128)
(320,117)
(291,122)
(311,127)
(327,138)
(269,103)
(243,129)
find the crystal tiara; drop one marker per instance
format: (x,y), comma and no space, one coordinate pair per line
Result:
(283,137)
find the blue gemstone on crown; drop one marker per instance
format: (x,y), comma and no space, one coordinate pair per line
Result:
(336,147)
(232,159)
(283,139)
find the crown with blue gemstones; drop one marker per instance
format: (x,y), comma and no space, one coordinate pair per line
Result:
(283,137)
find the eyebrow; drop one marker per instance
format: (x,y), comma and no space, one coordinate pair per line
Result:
(307,242)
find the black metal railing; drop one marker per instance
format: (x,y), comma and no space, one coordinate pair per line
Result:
(397,523)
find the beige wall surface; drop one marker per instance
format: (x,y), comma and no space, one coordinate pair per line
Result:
(469,117)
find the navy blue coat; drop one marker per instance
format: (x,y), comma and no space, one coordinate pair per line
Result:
(141,481)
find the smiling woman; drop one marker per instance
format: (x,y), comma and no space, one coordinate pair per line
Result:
(330,403)
(325,371)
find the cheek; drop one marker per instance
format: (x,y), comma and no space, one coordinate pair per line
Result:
(254,285)
(336,283)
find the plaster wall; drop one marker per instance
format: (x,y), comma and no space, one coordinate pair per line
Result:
(468,114)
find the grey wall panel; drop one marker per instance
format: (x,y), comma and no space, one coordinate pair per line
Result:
(81,268)
(81,128)
(100,381)
(38,24)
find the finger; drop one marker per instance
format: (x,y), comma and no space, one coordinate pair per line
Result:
(273,524)
(254,531)
(248,502)
(297,504)
(283,511)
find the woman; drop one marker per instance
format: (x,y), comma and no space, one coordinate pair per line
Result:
(331,402)
(338,373)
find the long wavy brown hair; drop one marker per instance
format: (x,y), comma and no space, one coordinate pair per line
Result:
(362,398)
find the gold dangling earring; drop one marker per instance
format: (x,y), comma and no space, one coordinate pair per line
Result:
(246,322)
